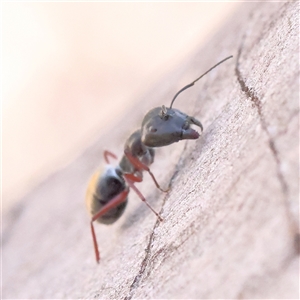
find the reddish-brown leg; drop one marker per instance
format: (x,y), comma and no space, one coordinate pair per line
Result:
(107,154)
(111,204)
(130,179)
(139,165)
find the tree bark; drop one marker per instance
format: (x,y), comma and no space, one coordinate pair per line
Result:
(231,217)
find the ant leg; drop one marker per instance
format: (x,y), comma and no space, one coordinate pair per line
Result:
(130,179)
(133,178)
(111,204)
(107,154)
(138,164)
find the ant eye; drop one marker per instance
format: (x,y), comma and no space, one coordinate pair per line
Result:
(152,129)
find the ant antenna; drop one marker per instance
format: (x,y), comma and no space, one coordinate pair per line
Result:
(191,84)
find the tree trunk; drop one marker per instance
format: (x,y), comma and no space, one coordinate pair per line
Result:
(231,217)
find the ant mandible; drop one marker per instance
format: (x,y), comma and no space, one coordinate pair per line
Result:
(107,193)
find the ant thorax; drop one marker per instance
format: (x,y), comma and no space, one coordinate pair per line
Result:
(138,150)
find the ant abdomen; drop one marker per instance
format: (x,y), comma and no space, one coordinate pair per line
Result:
(102,188)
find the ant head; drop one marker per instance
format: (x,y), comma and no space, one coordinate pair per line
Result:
(163,126)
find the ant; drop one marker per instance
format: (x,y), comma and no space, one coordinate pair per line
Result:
(107,193)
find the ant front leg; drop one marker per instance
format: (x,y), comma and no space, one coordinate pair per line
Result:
(130,179)
(139,165)
(108,206)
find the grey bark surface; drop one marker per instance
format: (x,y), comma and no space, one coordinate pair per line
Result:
(231,218)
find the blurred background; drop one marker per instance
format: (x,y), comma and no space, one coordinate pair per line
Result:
(70,69)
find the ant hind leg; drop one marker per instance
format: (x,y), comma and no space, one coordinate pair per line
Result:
(107,153)
(111,204)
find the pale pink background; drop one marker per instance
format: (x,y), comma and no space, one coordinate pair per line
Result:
(68,66)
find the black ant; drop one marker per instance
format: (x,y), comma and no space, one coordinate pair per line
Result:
(107,193)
